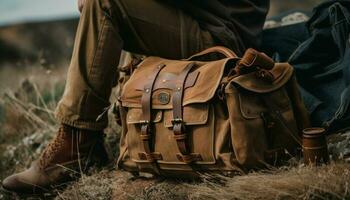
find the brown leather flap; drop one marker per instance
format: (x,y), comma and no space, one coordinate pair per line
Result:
(200,87)
(282,73)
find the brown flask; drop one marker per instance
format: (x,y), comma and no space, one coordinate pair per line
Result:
(315,146)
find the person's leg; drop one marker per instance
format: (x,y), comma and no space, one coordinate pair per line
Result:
(147,27)
(80,138)
(93,69)
(159,29)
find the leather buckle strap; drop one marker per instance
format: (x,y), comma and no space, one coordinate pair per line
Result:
(146,141)
(146,125)
(145,132)
(180,137)
(179,128)
(179,92)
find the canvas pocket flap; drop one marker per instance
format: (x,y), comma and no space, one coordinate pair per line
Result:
(251,104)
(134,116)
(194,114)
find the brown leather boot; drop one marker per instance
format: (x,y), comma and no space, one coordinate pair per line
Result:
(64,159)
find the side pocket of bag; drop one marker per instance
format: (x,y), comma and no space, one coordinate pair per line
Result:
(247,129)
(124,161)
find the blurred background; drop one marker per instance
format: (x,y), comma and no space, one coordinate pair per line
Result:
(42,31)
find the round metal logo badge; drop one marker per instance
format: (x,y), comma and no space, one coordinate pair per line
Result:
(163,98)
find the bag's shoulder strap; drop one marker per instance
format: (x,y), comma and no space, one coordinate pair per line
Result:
(228,53)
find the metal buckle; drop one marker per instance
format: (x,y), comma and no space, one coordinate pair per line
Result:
(177,121)
(221,92)
(144,122)
(178,125)
(145,127)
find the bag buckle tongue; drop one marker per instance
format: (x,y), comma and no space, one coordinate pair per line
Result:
(177,121)
(145,130)
(144,122)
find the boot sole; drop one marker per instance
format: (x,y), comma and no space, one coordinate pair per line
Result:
(25,195)
(39,193)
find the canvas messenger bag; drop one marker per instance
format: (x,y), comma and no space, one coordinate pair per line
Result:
(230,114)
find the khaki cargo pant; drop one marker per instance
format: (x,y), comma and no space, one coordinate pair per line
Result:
(106,27)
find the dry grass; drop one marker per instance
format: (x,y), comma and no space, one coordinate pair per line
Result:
(27,120)
(326,182)
(26,127)
(94,187)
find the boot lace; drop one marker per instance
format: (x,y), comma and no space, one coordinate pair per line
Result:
(53,148)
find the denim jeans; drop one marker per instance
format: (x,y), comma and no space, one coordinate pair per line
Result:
(321,61)
(281,41)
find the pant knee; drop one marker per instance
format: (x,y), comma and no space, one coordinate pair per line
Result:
(104,5)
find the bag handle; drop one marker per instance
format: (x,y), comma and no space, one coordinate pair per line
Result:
(228,53)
